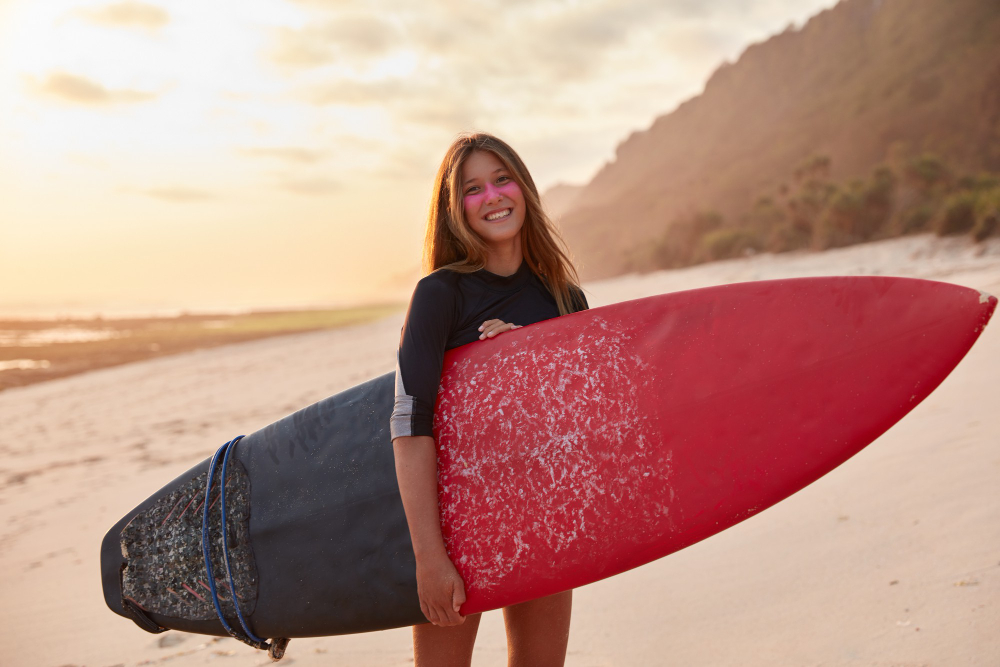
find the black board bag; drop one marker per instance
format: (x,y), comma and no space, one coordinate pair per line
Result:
(317,537)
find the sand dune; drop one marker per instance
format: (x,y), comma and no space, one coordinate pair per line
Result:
(893,559)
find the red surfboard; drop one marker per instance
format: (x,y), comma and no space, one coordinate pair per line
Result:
(569,450)
(582,447)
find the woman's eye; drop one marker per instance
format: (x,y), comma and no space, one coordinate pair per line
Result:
(470,190)
(503,179)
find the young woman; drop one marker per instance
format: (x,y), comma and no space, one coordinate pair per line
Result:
(495,263)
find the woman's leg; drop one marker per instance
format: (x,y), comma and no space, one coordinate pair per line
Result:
(538,631)
(448,647)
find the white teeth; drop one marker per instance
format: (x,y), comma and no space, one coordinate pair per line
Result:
(499,214)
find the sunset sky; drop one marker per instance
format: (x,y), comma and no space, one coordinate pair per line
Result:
(178,154)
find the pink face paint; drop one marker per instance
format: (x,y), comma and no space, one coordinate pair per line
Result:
(473,201)
(491,191)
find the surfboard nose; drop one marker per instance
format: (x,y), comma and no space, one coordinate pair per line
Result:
(112,562)
(987,306)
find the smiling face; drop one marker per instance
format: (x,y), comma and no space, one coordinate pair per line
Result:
(492,201)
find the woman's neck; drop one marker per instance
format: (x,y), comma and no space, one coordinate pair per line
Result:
(505,260)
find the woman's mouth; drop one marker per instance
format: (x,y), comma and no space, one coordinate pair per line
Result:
(499,215)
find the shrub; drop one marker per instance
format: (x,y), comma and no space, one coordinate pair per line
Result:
(839,225)
(673,249)
(927,172)
(791,236)
(987,215)
(815,167)
(915,220)
(667,253)
(978,182)
(805,210)
(985,227)
(859,213)
(765,215)
(958,216)
(728,243)
(877,199)
(679,244)
(704,222)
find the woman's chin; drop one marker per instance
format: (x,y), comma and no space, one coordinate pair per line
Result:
(501,232)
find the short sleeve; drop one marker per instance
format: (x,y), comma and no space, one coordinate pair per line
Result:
(420,357)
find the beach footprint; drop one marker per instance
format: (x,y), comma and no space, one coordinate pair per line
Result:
(171,639)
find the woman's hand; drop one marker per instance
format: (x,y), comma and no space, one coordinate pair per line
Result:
(491,328)
(439,585)
(441,590)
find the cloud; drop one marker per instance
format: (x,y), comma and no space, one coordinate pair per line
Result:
(558,42)
(79,90)
(319,4)
(127,14)
(427,101)
(417,161)
(287,154)
(311,186)
(178,194)
(453,114)
(541,41)
(358,93)
(580,72)
(701,43)
(359,5)
(351,37)
(571,45)
(470,63)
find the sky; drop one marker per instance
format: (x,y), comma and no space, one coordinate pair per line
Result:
(280,153)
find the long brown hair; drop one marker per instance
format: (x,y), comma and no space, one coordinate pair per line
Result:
(450,244)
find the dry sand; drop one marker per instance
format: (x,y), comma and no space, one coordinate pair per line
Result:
(892,559)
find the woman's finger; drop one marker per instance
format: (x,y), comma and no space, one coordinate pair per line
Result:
(451,617)
(430,612)
(491,331)
(497,326)
(500,328)
(458,596)
(440,617)
(487,323)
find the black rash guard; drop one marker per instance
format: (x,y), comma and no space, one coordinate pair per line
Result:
(446,311)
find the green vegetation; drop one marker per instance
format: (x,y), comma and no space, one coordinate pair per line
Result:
(912,196)
(987,214)
(677,246)
(958,215)
(911,83)
(287,321)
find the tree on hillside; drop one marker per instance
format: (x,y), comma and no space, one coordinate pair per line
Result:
(678,245)
(927,173)
(805,208)
(760,224)
(858,213)
(924,183)
(816,167)
(987,214)
(821,214)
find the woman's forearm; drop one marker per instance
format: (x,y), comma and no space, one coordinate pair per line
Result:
(416,472)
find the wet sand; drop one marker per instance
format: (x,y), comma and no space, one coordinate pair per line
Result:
(40,350)
(892,559)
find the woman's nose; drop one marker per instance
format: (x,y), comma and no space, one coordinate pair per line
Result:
(492,192)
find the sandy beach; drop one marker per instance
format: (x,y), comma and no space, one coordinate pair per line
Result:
(892,559)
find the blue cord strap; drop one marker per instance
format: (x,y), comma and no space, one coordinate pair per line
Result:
(249,637)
